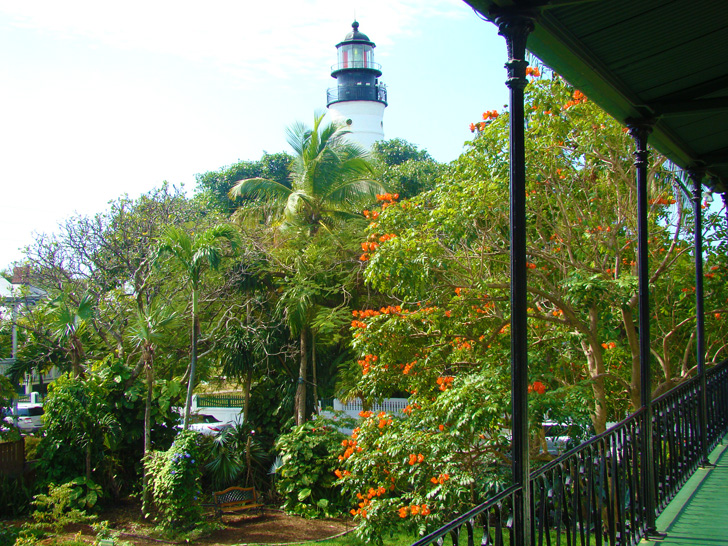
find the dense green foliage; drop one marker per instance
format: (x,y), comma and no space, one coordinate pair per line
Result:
(176,490)
(94,426)
(305,478)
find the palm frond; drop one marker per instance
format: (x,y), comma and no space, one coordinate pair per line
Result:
(262,188)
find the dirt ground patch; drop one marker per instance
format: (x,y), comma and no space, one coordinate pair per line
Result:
(269,527)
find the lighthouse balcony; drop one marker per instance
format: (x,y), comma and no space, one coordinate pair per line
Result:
(376,93)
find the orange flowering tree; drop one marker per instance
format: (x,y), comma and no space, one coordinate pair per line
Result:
(443,258)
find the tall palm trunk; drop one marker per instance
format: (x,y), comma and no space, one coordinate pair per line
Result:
(300,400)
(147,494)
(193,360)
(314,377)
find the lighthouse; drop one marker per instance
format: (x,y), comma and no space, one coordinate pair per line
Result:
(359,98)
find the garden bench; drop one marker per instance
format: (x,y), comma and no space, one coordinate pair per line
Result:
(235,499)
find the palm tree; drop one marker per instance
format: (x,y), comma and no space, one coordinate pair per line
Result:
(68,324)
(147,332)
(194,254)
(241,352)
(332,179)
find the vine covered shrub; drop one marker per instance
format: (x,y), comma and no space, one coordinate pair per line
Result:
(175,481)
(307,479)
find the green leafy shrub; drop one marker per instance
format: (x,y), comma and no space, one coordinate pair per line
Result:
(235,457)
(175,481)
(59,508)
(84,417)
(306,478)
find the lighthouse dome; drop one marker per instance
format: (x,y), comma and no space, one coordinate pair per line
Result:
(355,35)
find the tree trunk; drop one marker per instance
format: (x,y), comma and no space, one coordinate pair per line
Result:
(193,362)
(634,347)
(314,376)
(300,401)
(246,393)
(146,492)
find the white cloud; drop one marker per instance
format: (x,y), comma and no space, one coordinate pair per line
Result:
(240,38)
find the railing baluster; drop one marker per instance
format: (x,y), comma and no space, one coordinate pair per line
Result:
(595,493)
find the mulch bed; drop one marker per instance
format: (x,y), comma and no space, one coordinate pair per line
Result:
(269,527)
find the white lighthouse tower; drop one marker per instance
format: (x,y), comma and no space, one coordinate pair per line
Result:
(359,98)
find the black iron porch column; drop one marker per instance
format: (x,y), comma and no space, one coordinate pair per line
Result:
(515,28)
(696,175)
(640,130)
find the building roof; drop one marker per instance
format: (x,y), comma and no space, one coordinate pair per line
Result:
(646,59)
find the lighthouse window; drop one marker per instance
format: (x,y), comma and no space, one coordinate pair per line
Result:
(355,56)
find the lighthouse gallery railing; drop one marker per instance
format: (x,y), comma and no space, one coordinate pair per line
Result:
(593,494)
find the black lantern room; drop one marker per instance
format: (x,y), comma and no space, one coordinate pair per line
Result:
(356,73)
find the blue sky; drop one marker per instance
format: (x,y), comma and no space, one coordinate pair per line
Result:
(100,99)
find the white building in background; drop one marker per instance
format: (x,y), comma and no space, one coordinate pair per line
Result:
(16,298)
(359,98)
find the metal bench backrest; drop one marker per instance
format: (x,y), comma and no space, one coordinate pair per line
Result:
(236,495)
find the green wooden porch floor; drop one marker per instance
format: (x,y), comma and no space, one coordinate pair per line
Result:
(698,515)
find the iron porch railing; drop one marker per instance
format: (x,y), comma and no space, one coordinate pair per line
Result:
(594,494)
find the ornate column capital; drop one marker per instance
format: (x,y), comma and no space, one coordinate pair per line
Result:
(696,174)
(640,129)
(515,28)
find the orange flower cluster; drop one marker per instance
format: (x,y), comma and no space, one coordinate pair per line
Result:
(533,71)
(537,387)
(442,478)
(384,419)
(689,289)
(408,367)
(387,197)
(365,414)
(369,246)
(458,291)
(414,459)
(386,237)
(371,214)
(490,114)
(460,344)
(362,511)
(414,509)
(364,257)
(367,362)
(557,313)
(366,313)
(610,345)
(599,228)
(579,97)
(378,492)
(662,201)
(482,311)
(717,315)
(530,265)
(409,408)
(351,447)
(340,474)
(445,382)
(358,324)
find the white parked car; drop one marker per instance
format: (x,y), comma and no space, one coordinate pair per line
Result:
(29,417)
(207,424)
